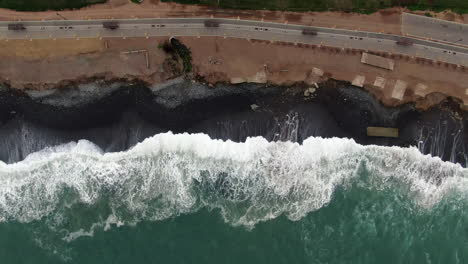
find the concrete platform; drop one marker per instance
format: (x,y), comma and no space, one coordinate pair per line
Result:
(421,90)
(359,80)
(380,82)
(378,61)
(382,132)
(317,71)
(399,89)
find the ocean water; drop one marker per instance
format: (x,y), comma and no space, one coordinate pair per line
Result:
(187,198)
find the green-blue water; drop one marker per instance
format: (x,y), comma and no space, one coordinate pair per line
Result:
(190,199)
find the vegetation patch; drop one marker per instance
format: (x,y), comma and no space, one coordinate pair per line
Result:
(175,63)
(360,6)
(184,53)
(42,5)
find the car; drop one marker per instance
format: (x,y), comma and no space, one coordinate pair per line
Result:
(310,32)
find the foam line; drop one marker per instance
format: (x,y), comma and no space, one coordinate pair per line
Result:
(168,175)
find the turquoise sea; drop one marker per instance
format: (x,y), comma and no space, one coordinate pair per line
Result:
(191,199)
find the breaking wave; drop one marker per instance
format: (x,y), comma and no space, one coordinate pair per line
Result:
(168,175)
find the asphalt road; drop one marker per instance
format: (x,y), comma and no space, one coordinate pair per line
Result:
(437,29)
(231,28)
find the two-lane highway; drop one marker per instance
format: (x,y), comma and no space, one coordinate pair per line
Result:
(433,28)
(232,28)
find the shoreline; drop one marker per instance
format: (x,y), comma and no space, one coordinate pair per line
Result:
(42,74)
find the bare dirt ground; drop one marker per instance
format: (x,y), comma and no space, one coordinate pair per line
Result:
(43,64)
(237,60)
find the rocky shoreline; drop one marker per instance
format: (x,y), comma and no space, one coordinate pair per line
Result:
(337,109)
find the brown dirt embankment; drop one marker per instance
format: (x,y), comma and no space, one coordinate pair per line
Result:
(49,64)
(236,60)
(45,64)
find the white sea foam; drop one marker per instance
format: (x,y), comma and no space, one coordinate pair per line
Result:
(167,175)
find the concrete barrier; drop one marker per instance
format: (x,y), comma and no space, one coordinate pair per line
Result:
(382,132)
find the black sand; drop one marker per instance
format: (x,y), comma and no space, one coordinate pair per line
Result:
(118,118)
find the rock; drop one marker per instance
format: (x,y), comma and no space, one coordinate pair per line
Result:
(260,77)
(254,107)
(309,91)
(317,71)
(237,80)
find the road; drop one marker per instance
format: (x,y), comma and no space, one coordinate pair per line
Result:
(232,28)
(432,28)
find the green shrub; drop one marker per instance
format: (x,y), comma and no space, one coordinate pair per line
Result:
(184,53)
